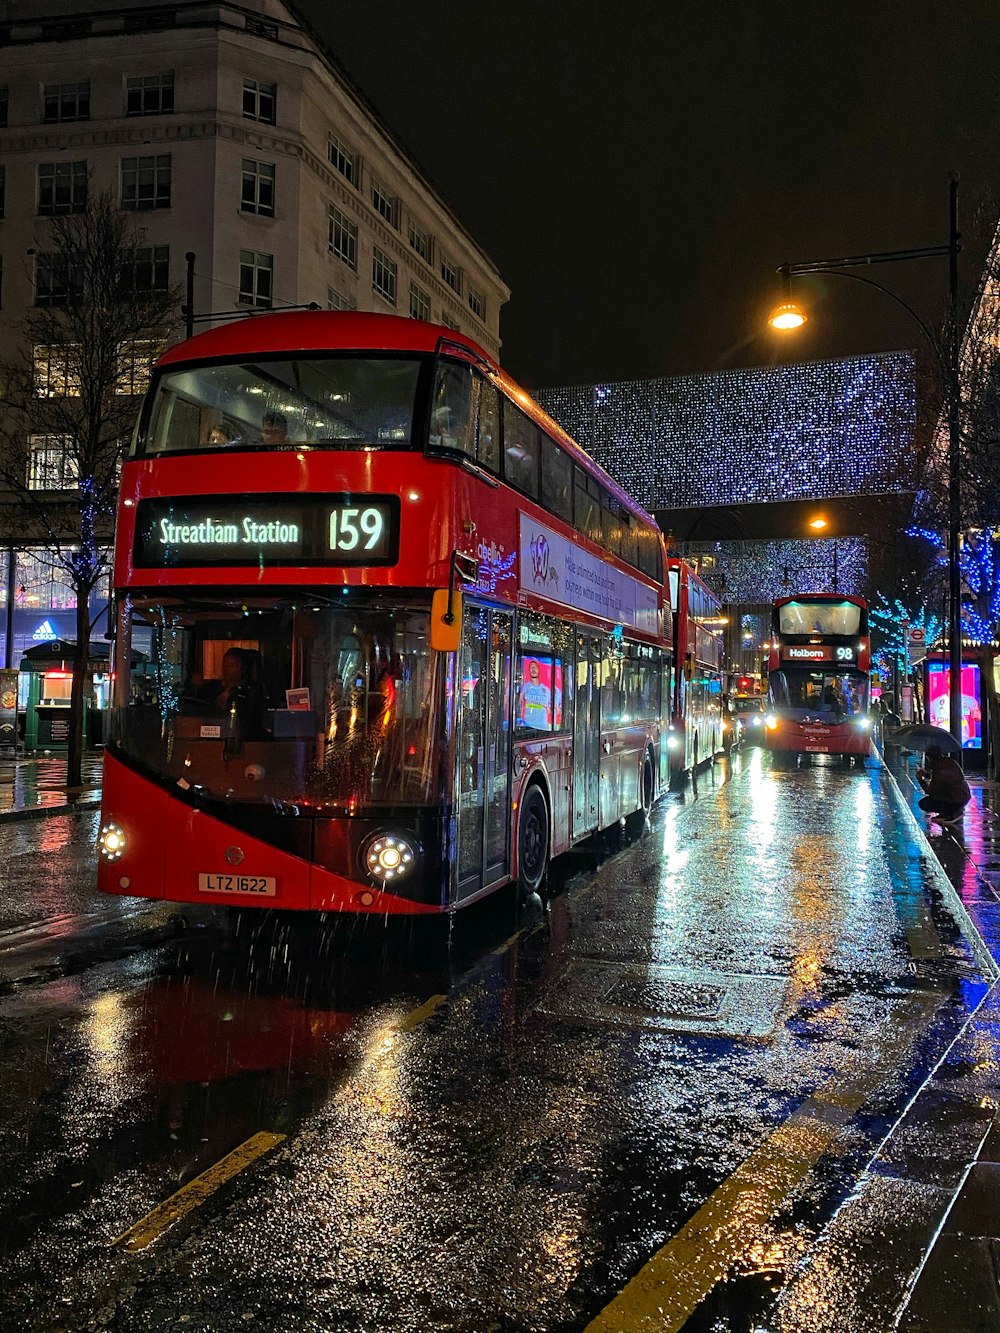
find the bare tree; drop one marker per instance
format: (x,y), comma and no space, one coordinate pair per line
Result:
(102,313)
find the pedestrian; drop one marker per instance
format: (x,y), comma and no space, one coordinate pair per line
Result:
(947,790)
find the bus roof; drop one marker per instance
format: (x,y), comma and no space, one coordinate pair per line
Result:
(305,331)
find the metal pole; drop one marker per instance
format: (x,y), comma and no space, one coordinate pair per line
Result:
(189,301)
(8,657)
(952,391)
(835,588)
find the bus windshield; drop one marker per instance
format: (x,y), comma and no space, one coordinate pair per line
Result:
(343,401)
(826,618)
(281,701)
(823,694)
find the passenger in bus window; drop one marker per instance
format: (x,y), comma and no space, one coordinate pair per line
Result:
(221,434)
(274,428)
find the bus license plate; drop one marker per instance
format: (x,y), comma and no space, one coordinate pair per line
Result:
(817,749)
(264,886)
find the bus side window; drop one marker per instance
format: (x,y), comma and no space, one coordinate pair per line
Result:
(488,430)
(557,480)
(453,415)
(520,446)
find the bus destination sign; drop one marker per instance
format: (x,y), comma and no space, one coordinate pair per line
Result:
(197,530)
(817,653)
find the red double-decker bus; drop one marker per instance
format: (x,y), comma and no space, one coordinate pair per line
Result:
(819,667)
(386,637)
(698,724)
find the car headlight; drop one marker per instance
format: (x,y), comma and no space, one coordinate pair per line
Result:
(673,743)
(389,856)
(111,842)
(771,722)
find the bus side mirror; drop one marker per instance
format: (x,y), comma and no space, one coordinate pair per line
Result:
(446,631)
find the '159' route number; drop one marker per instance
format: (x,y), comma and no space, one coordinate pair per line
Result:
(350,525)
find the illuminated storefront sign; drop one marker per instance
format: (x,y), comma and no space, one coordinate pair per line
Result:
(939,704)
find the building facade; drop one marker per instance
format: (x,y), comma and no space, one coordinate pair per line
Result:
(234,137)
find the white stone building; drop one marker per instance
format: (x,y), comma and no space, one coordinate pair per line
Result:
(236,137)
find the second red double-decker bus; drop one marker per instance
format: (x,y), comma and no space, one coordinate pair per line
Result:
(698,724)
(386,637)
(819,666)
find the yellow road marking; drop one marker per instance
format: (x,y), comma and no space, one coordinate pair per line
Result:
(665,1292)
(417,1016)
(195,1192)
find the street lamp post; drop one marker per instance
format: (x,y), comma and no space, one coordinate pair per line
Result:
(788,315)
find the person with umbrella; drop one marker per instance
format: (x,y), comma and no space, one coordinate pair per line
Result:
(944,782)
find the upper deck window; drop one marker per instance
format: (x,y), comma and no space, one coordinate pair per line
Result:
(340,402)
(825,618)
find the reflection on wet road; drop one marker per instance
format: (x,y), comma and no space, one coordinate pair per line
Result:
(644,1103)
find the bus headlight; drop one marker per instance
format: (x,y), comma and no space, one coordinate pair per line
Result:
(111,842)
(771,722)
(756,721)
(863,723)
(389,856)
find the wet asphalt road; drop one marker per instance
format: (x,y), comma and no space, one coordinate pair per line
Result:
(493,1127)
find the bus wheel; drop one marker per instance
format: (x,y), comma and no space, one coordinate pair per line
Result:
(532,844)
(638,819)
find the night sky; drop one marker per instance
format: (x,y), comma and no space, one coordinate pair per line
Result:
(637,172)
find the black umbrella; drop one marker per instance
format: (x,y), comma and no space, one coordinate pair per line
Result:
(919,736)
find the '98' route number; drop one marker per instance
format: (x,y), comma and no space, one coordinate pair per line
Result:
(353,527)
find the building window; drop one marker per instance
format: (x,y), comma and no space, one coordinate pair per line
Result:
(420,241)
(342,158)
(258,188)
(51,467)
(343,238)
(420,303)
(66,101)
(42,582)
(384,202)
(149,270)
(338,301)
(260,101)
(450,274)
(136,360)
(57,282)
(56,370)
(146,182)
(384,275)
(4,104)
(450,323)
(256,278)
(476,304)
(149,95)
(62,187)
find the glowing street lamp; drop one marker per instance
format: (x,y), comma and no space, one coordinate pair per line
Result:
(787,315)
(818,523)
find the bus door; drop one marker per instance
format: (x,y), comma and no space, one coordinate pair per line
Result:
(587,735)
(483,732)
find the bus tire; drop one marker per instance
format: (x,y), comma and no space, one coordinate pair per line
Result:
(532,844)
(638,819)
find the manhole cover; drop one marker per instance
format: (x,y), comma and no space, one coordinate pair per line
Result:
(658,997)
(672,998)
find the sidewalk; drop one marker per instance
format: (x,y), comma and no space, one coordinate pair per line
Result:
(35,785)
(957,1288)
